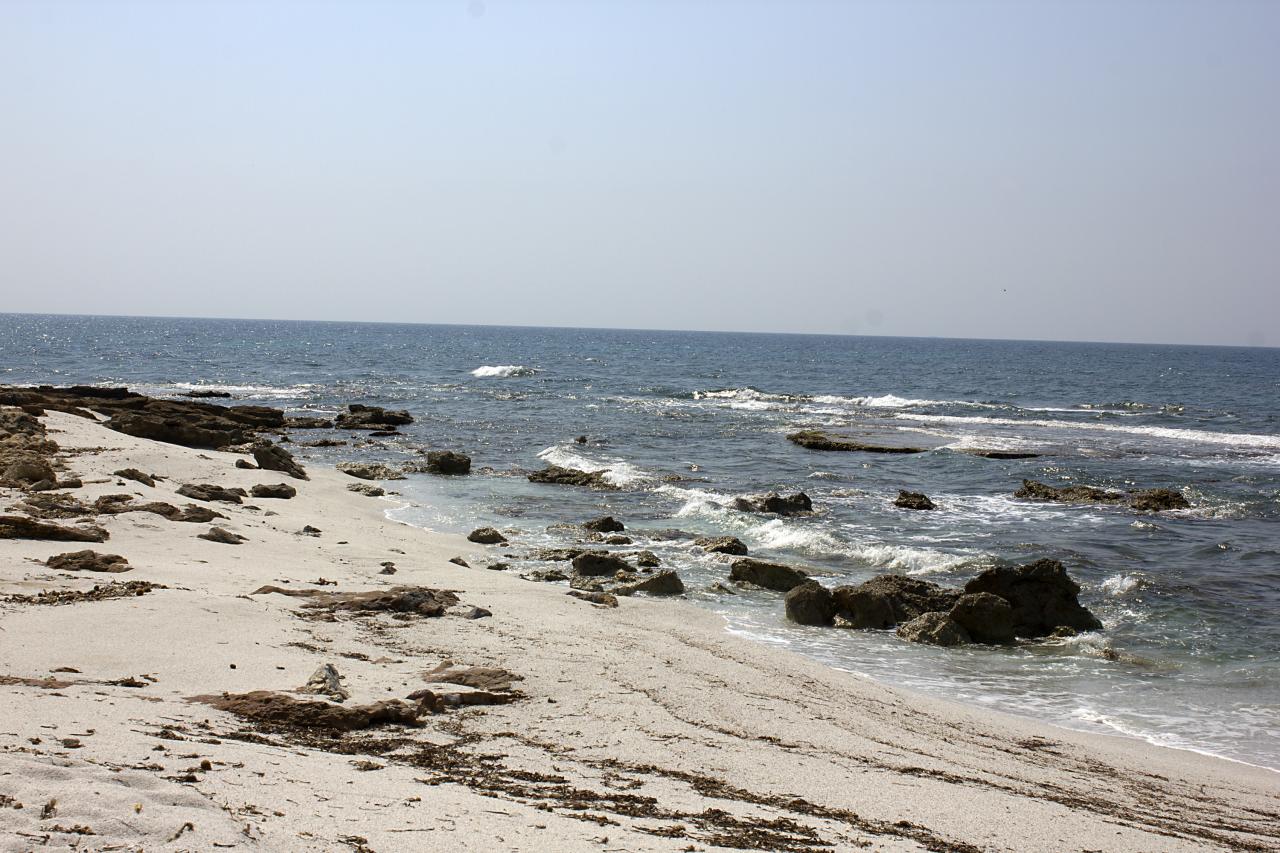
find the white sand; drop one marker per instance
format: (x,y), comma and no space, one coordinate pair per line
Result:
(641,719)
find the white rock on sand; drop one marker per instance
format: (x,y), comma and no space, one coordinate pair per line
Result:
(645,727)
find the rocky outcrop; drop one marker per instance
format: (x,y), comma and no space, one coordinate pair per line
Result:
(369,471)
(21,527)
(210,492)
(273,457)
(1042,596)
(486,536)
(371,418)
(604,524)
(599,564)
(570,477)
(935,629)
(1145,500)
(1002,454)
(775,503)
(448,462)
(28,470)
(281,491)
(896,597)
(722,545)
(818,440)
(773,576)
(298,422)
(660,583)
(88,561)
(913,500)
(810,603)
(646,559)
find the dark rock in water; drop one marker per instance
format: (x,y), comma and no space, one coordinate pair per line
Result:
(935,629)
(722,545)
(1042,595)
(1157,500)
(985,617)
(863,608)
(810,603)
(246,465)
(1003,454)
(773,576)
(904,598)
(571,477)
(605,524)
(448,462)
(817,440)
(225,537)
(599,564)
(308,423)
(369,471)
(272,457)
(775,503)
(323,442)
(555,555)
(486,536)
(458,561)
(602,599)
(366,489)
(283,711)
(210,492)
(88,561)
(660,583)
(647,559)
(276,490)
(1042,493)
(205,394)
(913,500)
(371,417)
(582,439)
(21,527)
(547,576)
(615,539)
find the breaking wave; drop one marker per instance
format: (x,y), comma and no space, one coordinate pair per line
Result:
(502,371)
(617,472)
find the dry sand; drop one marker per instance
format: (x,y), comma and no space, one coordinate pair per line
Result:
(641,727)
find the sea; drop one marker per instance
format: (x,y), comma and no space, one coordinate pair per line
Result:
(683,422)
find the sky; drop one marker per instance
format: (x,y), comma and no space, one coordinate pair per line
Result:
(1044,170)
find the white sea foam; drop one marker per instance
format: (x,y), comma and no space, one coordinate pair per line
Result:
(502,371)
(1120,584)
(617,471)
(244,391)
(1168,433)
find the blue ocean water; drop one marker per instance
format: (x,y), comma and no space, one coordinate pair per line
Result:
(685,421)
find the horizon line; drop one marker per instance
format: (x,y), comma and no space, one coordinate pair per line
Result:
(631,329)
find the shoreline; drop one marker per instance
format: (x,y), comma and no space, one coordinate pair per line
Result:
(650,725)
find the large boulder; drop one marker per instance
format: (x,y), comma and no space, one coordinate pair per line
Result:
(775,503)
(1042,595)
(210,492)
(774,576)
(913,500)
(604,524)
(282,491)
(1044,493)
(659,583)
(273,457)
(88,561)
(371,418)
(934,628)
(987,618)
(448,462)
(486,536)
(813,439)
(810,603)
(599,564)
(722,545)
(901,598)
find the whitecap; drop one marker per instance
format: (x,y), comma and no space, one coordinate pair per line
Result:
(618,472)
(1168,433)
(502,371)
(1120,584)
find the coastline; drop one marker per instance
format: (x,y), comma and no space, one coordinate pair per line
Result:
(648,726)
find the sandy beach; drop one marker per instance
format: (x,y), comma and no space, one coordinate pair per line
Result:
(555,724)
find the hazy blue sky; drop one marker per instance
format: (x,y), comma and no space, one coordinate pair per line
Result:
(1099,171)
